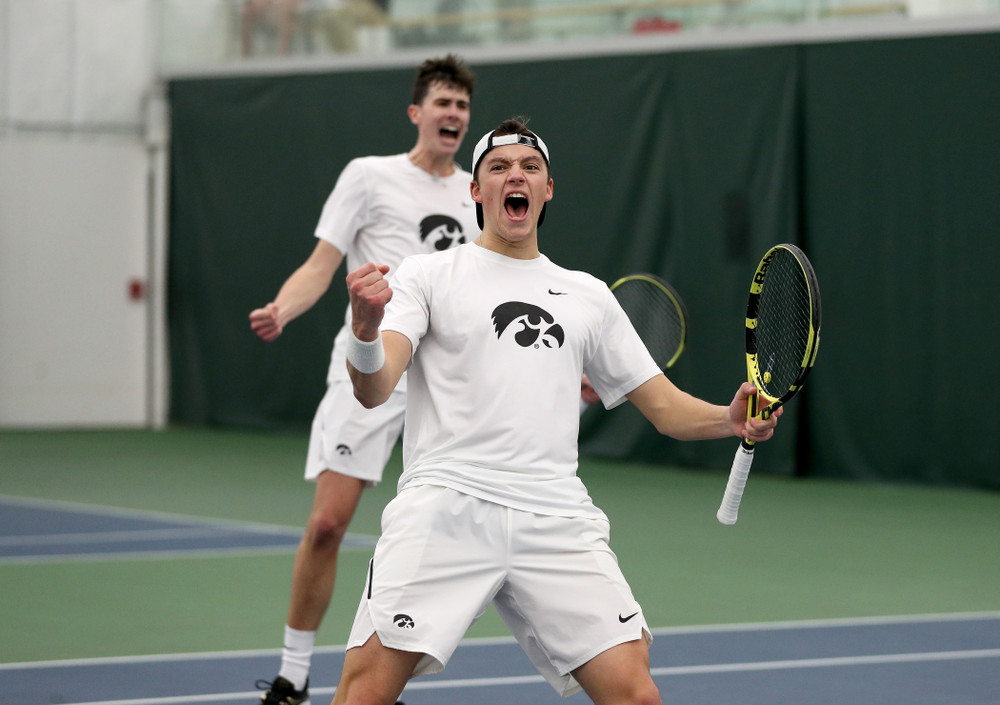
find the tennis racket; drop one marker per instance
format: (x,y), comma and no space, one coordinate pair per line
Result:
(657,313)
(782,339)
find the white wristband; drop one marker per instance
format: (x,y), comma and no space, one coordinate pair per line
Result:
(367,357)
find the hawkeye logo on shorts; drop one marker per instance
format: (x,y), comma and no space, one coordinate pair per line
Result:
(442,231)
(537,326)
(403,621)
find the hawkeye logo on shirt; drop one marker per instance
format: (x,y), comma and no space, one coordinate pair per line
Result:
(536,326)
(442,231)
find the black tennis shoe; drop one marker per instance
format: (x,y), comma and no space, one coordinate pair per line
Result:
(282,692)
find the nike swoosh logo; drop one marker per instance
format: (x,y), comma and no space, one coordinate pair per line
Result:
(625,619)
(557,293)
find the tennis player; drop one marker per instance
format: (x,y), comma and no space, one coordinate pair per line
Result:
(382,208)
(490,509)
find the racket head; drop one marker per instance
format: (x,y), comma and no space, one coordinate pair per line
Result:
(657,313)
(784,314)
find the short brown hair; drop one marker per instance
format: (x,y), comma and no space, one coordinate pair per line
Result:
(514,126)
(450,70)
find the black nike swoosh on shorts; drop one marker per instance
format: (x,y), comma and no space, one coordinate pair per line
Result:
(625,619)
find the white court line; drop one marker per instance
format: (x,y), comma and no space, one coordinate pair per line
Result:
(667,671)
(499,640)
(834,661)
(147,514)
(121,536)
(122,556)
(830,622)
(349,543)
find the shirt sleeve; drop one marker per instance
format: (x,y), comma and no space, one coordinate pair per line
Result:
(408,312)
(345,213)
(621,362)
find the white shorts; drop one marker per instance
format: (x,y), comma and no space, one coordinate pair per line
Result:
(444,556)
(350,439)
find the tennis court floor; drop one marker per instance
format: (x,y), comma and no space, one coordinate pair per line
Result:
(940,660)
(135,569)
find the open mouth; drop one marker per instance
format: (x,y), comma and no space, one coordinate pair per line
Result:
(449,131)
(516,205)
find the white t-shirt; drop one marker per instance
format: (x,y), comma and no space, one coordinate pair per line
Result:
(383,209)
(500,346)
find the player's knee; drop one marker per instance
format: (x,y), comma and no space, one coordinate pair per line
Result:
(642,691)
(647,694)
(357,696)
(326,533)
(362,691)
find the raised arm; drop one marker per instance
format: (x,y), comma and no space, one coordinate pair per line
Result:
(677,414)
(299,292)
(375,360)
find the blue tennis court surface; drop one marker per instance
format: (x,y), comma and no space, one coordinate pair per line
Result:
(43,530)
(930,660)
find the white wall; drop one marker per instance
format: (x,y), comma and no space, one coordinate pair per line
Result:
(936,8)
(72,233)
(80,216)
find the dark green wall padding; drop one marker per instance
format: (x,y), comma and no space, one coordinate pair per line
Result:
(878,157)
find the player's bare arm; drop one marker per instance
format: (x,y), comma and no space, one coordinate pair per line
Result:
(299,292)
(370,293)
(677,414)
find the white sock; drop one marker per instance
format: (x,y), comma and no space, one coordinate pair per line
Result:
(296,656)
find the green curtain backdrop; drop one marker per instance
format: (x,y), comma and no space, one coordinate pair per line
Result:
(878,157)
(252,162)
(903,193)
